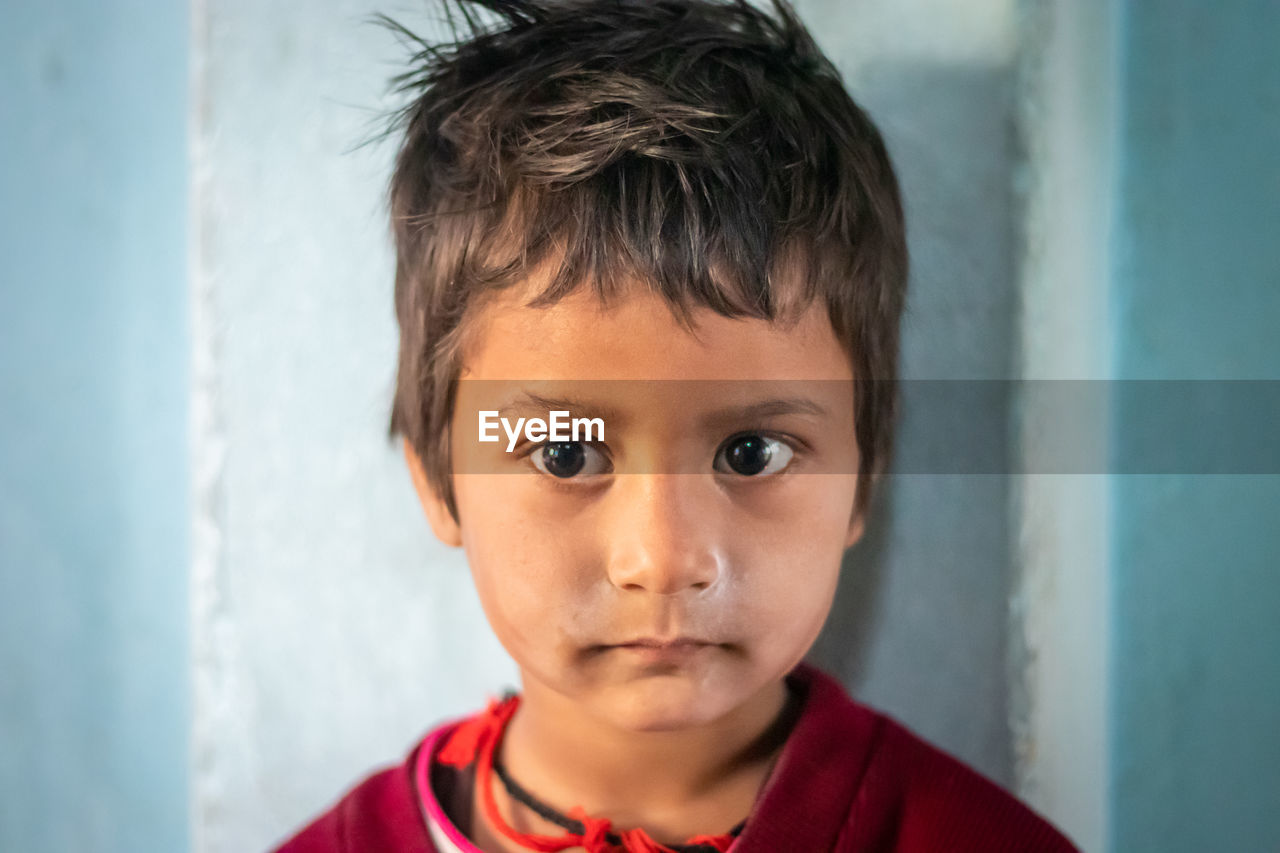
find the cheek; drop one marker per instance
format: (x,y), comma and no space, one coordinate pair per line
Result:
(791,549)
(526,566)
(806,514)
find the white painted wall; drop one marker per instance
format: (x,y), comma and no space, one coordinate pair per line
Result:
(330,629)
(1060,615)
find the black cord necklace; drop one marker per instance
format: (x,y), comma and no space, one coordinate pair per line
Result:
(575,826)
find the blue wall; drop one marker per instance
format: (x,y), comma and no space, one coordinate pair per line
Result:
(93,374)
(1196,699)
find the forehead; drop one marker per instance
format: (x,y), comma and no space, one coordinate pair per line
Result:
(637,336)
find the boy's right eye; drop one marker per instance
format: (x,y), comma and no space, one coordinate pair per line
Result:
(566,459)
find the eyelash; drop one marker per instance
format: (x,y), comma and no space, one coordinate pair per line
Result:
(525,453)
(797,445)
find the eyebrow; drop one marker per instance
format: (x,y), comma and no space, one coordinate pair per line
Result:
(528,404)
(767,409)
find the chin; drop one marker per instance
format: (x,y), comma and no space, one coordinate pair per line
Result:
(664,704)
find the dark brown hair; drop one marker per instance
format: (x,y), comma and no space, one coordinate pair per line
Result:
(705,148)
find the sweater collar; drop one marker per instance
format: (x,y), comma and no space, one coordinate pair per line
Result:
(807,799)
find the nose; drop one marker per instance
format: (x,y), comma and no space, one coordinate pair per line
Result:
(663,534)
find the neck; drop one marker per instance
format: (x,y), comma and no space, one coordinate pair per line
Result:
(675,784)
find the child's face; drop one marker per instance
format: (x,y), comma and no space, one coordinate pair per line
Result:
(657,534)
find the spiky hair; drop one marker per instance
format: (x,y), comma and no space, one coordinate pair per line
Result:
(705,148)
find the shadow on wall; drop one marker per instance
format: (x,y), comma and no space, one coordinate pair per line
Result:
(919,627)
(846,638)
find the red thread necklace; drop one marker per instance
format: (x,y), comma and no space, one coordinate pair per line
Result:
(477,739)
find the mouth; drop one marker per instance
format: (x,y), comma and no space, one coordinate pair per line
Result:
(653,650)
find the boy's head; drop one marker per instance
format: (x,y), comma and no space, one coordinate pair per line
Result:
(667,190)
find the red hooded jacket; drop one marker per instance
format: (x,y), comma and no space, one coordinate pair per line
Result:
(848,780)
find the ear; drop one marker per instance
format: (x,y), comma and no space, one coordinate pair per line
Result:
(441,520)
(857,526)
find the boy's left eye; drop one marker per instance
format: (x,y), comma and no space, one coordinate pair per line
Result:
(753,455)
(566,459)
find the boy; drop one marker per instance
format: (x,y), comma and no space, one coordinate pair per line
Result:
(664,223)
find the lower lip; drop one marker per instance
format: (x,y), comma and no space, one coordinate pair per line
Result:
(675,653)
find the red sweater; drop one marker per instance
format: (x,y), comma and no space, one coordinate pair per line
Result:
(849,780)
